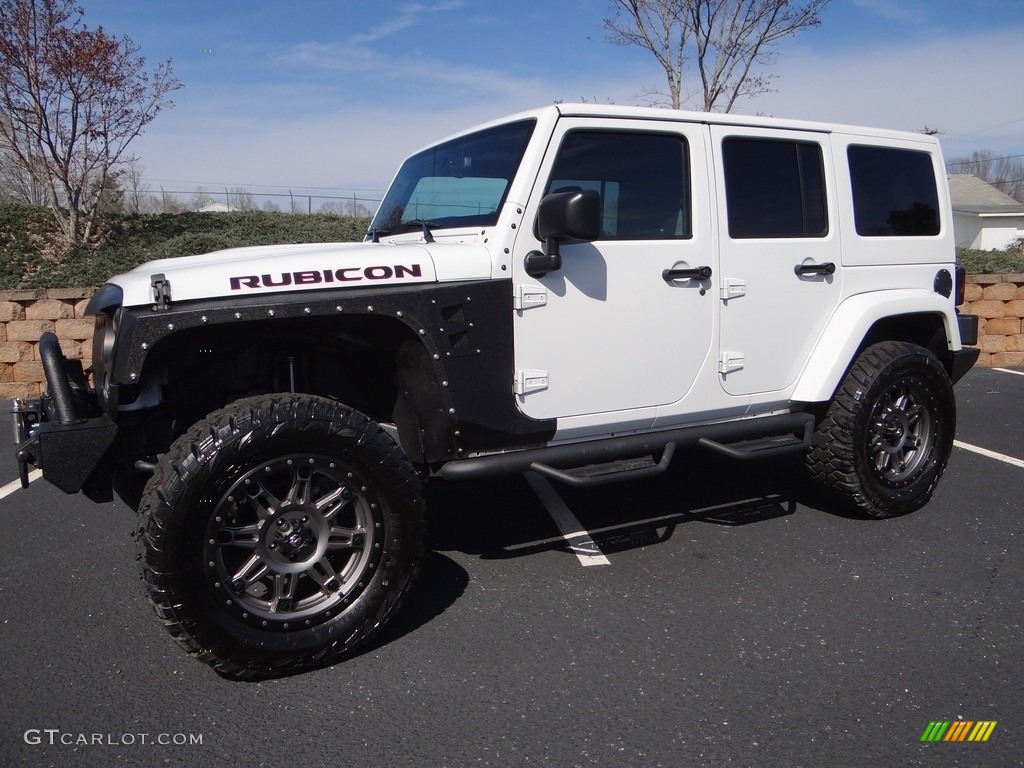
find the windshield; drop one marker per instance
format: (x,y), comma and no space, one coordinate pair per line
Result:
(460,183)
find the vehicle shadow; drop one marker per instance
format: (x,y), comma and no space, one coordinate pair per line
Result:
(503,518)
(440,584)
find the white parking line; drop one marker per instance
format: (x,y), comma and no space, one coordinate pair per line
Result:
(990,454)
(15,485)
(576,536)
(1007,370)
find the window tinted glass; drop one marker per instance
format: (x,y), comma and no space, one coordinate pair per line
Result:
(894,192)
(460,183)
(774,188)
(643,179)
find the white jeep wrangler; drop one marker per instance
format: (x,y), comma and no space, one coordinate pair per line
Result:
(576,291)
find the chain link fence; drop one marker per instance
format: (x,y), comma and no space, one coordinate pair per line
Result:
(358,204)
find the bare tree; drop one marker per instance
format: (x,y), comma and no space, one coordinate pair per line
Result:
(200,197)
(74,98)
(723,40)
(351,208)
(240,199)
(16,184)
(168,203)
(1004,173)
(135,192)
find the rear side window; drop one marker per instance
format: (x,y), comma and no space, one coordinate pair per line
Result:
(894,192)
(774,189)
(643,178)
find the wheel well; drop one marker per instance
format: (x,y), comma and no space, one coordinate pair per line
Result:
(351,360)
(924,329)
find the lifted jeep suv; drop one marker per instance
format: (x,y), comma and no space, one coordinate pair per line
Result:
(576,291)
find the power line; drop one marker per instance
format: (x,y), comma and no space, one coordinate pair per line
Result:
(989,128)
(983,160)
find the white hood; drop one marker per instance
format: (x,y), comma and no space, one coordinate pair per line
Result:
(242,272)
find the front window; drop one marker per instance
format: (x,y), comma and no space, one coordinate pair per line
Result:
(643,178)
(461,183)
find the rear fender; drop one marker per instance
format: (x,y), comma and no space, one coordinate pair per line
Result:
(849,327)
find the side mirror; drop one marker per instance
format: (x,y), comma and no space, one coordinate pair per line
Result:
(564,217)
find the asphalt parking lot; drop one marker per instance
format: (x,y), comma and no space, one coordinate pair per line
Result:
(713,616)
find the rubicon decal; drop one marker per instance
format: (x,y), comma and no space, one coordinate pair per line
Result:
(318,277)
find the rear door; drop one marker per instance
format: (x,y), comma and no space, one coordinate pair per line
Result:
(781,271)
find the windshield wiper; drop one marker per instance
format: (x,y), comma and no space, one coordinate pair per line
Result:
(425,225)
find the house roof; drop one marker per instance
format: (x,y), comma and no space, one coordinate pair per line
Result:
(970,194)
(216,208)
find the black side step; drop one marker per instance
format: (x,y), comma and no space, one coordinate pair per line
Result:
(774,445)
(609,472)
(614,458)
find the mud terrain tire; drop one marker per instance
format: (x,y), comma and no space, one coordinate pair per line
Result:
(278,534)
(886,437)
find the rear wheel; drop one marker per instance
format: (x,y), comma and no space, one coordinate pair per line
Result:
(279,534)
(886,437)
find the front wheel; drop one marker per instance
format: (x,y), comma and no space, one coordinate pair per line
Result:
(886,437)
(280,533)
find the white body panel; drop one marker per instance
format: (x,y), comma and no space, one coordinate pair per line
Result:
(614,335)
(775,321)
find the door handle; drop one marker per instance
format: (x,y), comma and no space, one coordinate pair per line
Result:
(827,268)
(697,273)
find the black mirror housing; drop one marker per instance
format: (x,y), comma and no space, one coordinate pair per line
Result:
(570,217)
(564,217)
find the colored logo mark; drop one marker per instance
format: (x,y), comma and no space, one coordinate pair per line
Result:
(958,730)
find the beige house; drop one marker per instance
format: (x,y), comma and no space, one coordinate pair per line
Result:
(984,217)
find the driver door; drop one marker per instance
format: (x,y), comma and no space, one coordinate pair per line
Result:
(610,331)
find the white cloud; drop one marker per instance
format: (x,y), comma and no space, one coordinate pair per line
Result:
(411,15)
(410,71)
(892,10)
(966,87)
(344,116)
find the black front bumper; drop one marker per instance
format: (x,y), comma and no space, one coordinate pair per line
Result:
(63,433)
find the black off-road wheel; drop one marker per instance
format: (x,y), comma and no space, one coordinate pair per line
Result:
(278,534)
(885,439)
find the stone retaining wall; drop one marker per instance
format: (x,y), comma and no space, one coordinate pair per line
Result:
(27,315)
(998,300)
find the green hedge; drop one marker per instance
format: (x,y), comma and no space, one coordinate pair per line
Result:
(32,257)
(992,262)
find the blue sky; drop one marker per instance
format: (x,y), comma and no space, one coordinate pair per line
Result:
(327,96)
